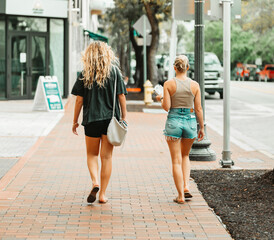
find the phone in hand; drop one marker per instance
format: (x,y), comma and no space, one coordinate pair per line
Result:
(159,90)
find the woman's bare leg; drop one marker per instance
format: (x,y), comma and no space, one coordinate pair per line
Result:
(93,146)
(175,153)
(106,166)
(186,145)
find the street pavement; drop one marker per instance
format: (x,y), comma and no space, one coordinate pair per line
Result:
(251,116)
(43,196)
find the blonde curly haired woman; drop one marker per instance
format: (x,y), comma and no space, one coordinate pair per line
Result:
(94,89)
(181,94)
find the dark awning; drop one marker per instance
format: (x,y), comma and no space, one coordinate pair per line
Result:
(96,36)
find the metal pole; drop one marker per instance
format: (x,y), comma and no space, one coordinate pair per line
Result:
(200,150)
(226,154)
(70,3)
(173,45)
(145,49)
(199,49)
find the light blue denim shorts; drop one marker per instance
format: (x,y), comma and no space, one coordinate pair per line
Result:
(181,123)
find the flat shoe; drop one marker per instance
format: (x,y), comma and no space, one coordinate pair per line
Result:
(92,196)
(178,201)
(188,195)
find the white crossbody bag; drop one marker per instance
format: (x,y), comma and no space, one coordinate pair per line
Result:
(117,131)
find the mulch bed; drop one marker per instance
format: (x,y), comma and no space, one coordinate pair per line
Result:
(243,199)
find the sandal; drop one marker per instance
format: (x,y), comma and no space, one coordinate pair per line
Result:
(188,195)
(92,196)
(178,201)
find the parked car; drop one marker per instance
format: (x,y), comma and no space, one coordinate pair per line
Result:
(245,72)
(213,72)
(266,74)
(237,71)
(252,68)
(163,60)
(248,72)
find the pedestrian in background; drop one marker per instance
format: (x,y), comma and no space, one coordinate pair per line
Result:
(160,74)
(94,89)
(181,94)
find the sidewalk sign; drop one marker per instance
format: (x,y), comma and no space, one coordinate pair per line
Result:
(47,96)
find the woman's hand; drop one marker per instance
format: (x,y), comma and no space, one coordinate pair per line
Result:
(159,97)
(124,119)
(201,134)
(74,126)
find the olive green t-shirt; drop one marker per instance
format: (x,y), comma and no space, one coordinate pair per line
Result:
(98,102)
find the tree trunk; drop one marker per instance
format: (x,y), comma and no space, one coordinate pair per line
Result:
(152,73)
(138,76)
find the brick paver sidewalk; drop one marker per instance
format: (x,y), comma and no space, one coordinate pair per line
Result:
(44,194)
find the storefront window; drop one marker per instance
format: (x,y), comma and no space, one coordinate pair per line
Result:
(2,58)
(28,24)
(57,51)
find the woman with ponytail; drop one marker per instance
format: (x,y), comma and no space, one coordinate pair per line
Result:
(182,101)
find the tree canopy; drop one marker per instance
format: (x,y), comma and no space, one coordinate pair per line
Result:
(120,20)
(251,36)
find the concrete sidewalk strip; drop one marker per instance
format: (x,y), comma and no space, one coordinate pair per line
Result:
(20,126)
(46,198)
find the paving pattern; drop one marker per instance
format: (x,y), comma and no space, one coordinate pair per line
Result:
(44,195)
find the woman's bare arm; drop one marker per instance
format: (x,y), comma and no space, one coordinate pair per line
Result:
(77,110)
(199,112)
(122,101)
(166,103)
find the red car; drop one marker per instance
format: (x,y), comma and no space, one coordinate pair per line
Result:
(267,74)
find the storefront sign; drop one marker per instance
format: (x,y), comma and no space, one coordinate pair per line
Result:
(37,7)
(47,95)
(41,8)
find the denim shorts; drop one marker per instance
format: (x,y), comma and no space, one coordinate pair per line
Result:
(181,123)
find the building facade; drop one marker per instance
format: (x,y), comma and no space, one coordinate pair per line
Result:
(33,43)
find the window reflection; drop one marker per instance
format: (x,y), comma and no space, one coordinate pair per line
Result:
(57,51)
(27,24)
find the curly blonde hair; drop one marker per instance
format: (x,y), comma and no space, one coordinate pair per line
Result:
(98,60)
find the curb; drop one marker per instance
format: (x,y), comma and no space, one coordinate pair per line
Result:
(13,172)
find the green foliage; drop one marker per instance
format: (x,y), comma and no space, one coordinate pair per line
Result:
(190,41)
(181,32)
(214,38)
(246,46)
(162,9)
(118,20)
(242,49)
(265,47)
(257,16)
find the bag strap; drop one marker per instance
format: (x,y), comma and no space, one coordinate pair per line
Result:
(114,97)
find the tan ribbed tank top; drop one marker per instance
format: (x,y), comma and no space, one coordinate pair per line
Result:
(183,97)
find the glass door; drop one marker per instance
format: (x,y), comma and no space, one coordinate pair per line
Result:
(18,65)
(27,60)
(38,59)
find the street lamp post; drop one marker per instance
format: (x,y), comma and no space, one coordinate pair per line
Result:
(200,150)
